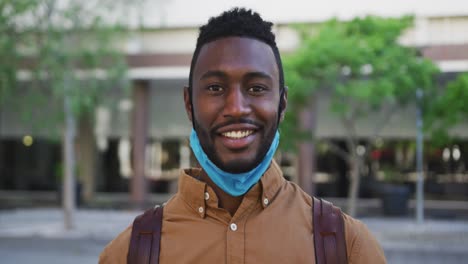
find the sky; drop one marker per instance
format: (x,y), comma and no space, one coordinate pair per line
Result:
(195,12)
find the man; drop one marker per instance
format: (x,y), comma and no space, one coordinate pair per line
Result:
(238,208)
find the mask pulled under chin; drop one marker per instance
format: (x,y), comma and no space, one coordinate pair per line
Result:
(235,184)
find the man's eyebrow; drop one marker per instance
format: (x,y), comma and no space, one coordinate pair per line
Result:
(208,74)
(263,75)
(249,75)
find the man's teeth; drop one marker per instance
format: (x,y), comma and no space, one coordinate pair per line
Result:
(238,134)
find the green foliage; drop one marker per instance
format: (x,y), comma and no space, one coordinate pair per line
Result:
(71,53)
(448,109)
(360,65)
(10,30)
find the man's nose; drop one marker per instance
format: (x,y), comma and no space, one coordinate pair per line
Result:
(236,104)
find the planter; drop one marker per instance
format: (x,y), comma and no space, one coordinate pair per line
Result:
(395,199)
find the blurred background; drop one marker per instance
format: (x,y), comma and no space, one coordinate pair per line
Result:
(93,127)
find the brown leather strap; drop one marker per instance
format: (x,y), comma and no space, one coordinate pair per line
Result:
(146,237)
(329,238)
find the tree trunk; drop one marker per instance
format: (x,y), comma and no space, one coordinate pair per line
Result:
(69,165)
(354,165)
(86,157)
(140,133)
(306,162)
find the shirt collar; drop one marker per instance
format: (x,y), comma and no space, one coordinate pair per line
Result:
(195,192)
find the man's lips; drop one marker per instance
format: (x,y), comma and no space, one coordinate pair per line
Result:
(237,136)
(236,128)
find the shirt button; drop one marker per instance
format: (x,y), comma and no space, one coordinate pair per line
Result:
(200,209)
(265,201)
(233,227)
(207,196)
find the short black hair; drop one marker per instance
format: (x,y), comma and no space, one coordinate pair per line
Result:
(237,22)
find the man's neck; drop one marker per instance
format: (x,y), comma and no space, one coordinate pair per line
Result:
(226,201)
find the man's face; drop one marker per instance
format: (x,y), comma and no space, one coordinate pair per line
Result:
(236,94)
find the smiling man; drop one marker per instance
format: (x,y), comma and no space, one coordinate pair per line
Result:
(237,207)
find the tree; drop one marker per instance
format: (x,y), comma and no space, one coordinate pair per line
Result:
(447,110)
(361,66)
(68,55)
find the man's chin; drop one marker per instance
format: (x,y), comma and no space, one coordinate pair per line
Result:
(237,166)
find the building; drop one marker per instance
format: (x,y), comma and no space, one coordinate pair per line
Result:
(159,51)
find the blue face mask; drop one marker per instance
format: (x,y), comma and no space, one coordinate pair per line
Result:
(233,184)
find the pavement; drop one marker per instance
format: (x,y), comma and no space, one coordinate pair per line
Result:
(18,250)
(49,223)
(434,241)
(404,241)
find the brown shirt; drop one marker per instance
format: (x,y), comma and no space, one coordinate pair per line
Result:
(272,225)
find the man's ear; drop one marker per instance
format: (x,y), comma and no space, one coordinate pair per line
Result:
(188,102)
(283,103)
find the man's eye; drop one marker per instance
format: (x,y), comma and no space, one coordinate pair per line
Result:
(214,88)
(257,89)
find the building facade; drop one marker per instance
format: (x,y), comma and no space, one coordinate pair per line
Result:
(158,53)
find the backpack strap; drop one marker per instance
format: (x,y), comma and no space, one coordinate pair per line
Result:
(329,239)
(146,237)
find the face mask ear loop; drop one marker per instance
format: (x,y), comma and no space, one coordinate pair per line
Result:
(191,106)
